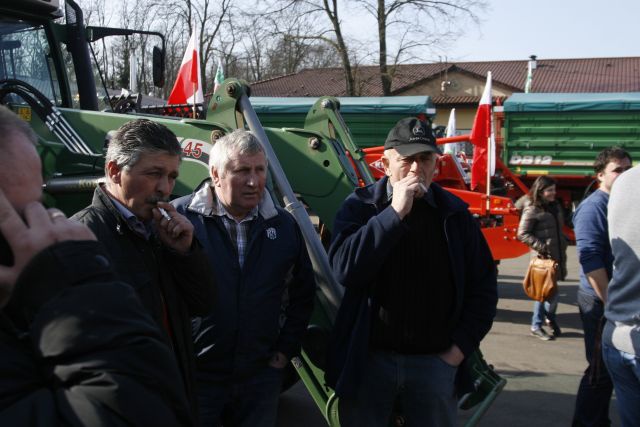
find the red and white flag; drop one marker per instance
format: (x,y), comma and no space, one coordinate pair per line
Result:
(483,140)
(188,86)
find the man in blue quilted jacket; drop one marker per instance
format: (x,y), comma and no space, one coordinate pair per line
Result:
(265,286)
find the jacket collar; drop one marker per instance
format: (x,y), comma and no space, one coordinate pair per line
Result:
(203,204)
(103,202)
(376,194)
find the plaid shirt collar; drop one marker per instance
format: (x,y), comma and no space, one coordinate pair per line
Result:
(238,230)
(218,209)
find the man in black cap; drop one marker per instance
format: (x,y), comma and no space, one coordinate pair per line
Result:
(420,291)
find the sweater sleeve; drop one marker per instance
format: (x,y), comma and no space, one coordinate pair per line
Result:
(592,236)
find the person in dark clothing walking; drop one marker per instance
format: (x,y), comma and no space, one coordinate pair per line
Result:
(596,266)
(76,347)
(244,344)
(541,229)
(157,255)
(420,291)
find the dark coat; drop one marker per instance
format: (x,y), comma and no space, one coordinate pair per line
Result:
(541,230)
(248,324)
(366,230)
(184,282)
(77,348)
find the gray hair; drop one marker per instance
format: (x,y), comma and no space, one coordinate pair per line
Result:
(139,137)
(237,143)
(10,123)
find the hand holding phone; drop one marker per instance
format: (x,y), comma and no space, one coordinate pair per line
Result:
(26,236)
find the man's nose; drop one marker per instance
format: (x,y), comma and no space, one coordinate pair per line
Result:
(165,186)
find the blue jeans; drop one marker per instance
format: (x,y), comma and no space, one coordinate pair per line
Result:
(540,310)
(624,369)
(422,385)
(252,402)
(594,392)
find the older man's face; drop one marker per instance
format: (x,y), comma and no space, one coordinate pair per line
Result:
(20,171)
(240,186)
(423,165)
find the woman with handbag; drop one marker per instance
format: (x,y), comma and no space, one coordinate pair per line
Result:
(541,229)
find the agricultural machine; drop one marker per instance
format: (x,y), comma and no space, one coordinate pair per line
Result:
(48,78)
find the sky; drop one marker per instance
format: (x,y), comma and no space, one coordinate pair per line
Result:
(552,29)
(549,29)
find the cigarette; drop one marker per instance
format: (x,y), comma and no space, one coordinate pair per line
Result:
(423,187)
(164,214)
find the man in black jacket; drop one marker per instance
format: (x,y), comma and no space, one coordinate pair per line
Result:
(77,349)
(152,245)
(420,291)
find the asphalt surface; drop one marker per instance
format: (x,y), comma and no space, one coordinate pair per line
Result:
(542,376)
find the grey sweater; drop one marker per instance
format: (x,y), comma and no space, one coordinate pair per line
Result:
(622,309)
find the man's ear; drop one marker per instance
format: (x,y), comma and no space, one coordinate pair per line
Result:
(600,177)
(215,177)
(114,172)
(385,164)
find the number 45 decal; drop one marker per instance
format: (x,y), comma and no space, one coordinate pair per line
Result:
(193,149)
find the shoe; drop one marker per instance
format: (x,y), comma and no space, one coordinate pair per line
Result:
(554,327)
(542,334)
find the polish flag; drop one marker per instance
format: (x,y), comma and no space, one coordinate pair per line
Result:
(188,80)
(484,142)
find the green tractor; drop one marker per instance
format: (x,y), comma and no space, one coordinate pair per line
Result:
(47,77)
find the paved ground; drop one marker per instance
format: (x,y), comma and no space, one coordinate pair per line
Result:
(542,376)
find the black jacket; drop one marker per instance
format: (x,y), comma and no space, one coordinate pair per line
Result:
(77,349)
(366,229)
(185,283)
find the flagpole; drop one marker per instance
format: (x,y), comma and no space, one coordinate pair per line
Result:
(195,88)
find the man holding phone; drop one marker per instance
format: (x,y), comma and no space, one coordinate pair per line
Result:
(72,337)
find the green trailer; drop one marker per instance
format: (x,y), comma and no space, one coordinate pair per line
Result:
(559,134)
(369,119)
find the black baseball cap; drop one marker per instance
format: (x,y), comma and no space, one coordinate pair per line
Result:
(411,136)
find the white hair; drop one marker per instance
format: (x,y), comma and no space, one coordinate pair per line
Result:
(239,142)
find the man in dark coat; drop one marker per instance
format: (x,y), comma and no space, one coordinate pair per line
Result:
(420,291)
(244,344)
(76,347)
(158,255)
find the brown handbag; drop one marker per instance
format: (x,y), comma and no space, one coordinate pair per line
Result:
(540,282)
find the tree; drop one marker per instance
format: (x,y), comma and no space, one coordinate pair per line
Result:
(319,30)
(421,23)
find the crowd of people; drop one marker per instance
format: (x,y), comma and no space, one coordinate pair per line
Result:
(141,310)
